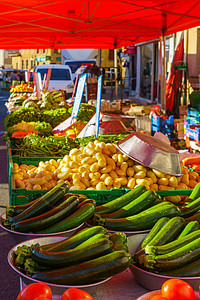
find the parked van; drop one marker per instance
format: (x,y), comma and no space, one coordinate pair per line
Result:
(76,64)
(61,78)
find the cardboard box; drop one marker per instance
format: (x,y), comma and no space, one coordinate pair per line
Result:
(180,127)
(183,110)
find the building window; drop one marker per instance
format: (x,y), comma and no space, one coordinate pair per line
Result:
(38,50)
(22,64)
(16,65)
(27,64)
(44,50)
(111,54)
(55,50)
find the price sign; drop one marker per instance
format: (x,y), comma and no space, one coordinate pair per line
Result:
(64,125)
(79,95)
(27,73)
(37,85)
(98,104)
(48,79)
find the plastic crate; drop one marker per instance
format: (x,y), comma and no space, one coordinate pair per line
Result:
(192,131)
(193,112)
(166,126)
(23,196)
(193,120)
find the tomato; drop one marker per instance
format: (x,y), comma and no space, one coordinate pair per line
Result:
(158,297)
(174,289)
(76,294)
(38,289)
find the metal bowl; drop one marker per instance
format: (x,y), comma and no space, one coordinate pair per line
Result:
(148,280)
(151,152)
(57,289)
(151,294)
(19,237)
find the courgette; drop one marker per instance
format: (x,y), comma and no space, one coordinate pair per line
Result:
(87,201)
(76,239)
(156,228)
(190,208)
(142,221)
(194,217)
(136,206)
(49,218)
(191,269)
(88,272)
(168,232)
(195,193)
(78,217)
(172,246)
(190,227)
(174,259)
(43,204)
(118,203)
(74,256)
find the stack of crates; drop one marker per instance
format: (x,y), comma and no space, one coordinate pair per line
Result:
(192,132)
(166,126)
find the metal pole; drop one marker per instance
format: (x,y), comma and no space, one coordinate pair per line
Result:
(115,66)
(163,58)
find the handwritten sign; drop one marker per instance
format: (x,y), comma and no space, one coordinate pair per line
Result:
(40,81)
(27,73)
(37,85)
(44,80)
(79,95)
(64,125)
(89,128)
(48,79)
(98,103)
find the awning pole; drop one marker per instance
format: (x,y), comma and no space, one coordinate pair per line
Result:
(115,66)
(163,59)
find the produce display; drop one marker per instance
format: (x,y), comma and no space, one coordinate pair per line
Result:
(101,166)
(41,291)
(55,211)
(22,88)
(172,246)
(88,256)
(192,162)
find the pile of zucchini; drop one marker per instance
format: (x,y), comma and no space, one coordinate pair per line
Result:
(171,248)
(55,211)
(89,256)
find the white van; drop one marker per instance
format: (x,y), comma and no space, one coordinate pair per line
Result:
(76,64)
(61,78)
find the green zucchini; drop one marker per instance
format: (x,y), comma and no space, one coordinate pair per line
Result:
(190,227)
(74,256)
(118,203)
(120,247)
(88,272)
(78,217)
(13,210)
(195,193)
(156,228)
(168,232)
(76,239)
(134,207)
(191,269)
(142,221)
(174,259)
(87,201)
(44,203)
(49,218)
(118,237)
(172,246)
(190,208)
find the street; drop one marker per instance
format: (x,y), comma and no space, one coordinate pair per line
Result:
(8,278)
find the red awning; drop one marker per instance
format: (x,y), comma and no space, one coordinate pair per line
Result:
(91,23)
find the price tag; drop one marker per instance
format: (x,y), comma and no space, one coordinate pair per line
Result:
(79,95)
(37,85)
(40,81)
(27,76)
(89,129)
(64,125)
(44,80)
(48,79)
(98,104)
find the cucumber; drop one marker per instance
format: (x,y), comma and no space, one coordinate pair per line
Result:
(76,239)
(189,270)
(142,221)
(190,208)
(174,245)
(78,217)
(195,193)
(88,272)
(74,256)
(134,207)
(168,232)
(190,227)
(174,259)
(49,218)
(156,228)
(118,203)
(44,203)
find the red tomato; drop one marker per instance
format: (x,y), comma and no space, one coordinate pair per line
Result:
(158,297)
(38,289)
(177,289)
(76,294)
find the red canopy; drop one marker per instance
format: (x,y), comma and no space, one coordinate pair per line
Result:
(91,23)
